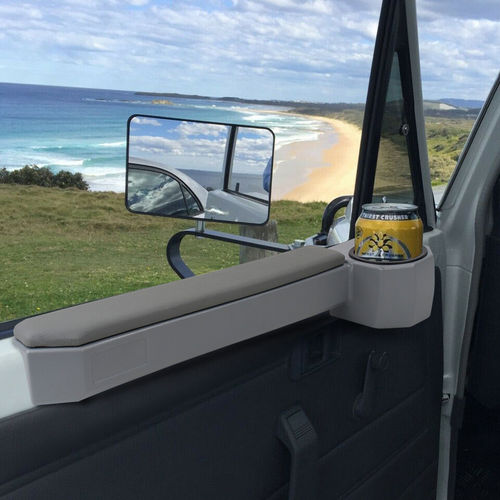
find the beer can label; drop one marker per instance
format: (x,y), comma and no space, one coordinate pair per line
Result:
(388,232)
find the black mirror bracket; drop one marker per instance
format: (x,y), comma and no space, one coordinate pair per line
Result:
(174,246)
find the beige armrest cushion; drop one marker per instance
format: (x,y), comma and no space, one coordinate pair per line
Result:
(84,323)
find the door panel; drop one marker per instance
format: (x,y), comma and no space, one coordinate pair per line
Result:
(207,428)
(369,399)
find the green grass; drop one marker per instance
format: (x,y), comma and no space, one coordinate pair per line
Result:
(61,247)
(445,140)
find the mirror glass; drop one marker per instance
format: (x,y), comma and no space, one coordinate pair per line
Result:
(199,170)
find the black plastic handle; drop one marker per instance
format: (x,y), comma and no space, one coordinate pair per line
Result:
(331,209)
(364,405)
(297,433)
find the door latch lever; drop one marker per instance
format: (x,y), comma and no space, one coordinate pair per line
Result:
(364,404)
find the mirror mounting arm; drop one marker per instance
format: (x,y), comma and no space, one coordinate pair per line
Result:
(174,246)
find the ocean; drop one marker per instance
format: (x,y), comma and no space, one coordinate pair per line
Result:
(84,130)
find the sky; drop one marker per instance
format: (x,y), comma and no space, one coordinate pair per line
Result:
(311,50)
(198,146)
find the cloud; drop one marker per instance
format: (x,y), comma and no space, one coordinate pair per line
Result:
(477,9)
(182,147)
(458,52)
(286,49)
(196,146)
(138,120)
(308,6)
(193,130)
(217,49)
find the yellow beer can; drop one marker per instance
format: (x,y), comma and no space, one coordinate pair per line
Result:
(388,232)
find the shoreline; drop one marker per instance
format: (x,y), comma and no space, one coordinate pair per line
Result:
(319,168)
(331,168)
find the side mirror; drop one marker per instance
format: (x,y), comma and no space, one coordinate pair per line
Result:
(199,170)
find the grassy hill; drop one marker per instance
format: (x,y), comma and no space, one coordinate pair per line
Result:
(445,140)
(446,131)
(63,246)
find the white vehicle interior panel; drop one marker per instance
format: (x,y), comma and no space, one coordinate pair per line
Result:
(388,295)
(72,354)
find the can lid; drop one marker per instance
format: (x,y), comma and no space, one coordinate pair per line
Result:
(390,208)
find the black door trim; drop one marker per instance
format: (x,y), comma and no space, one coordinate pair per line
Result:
(392,37)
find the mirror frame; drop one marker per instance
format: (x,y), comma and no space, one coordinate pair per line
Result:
(227,166)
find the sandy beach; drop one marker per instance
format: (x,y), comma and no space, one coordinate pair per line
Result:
(318,170)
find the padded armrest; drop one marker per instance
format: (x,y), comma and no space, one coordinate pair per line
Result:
(85,323)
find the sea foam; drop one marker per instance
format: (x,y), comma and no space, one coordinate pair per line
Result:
(117,144)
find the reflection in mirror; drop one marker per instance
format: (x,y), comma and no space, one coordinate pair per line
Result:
(393,182)
(210,171)
(247,174)
(155,192)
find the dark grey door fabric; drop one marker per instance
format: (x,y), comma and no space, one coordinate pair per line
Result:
(206,429)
